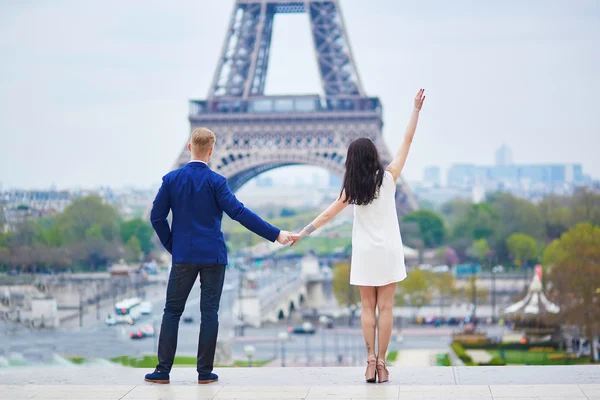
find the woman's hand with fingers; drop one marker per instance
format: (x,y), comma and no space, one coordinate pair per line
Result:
(419,99)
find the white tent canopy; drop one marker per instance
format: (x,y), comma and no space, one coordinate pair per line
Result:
(535,302)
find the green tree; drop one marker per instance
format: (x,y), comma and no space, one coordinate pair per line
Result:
(585,206)
(522,247)
(556,216)
(142,230)
(134,244)
(431,226)
(415,290)
(478,222)
(344,293)
(573,262)
(479,250)
(515,215)
(455,210)
(86,213)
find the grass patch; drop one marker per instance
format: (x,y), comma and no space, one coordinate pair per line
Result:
(76,360)
(150,361)
(537,357)
(392,356)
(255,363)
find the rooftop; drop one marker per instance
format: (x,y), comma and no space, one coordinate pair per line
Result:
(524,383)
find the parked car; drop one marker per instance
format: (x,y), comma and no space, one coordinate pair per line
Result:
(146,308)
(143,332)
(188,319)
(441,269)
(305,328)
(110,320)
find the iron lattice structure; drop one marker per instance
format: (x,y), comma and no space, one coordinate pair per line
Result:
(257,133)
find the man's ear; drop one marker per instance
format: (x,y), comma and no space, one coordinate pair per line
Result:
(210,152)
(189,146)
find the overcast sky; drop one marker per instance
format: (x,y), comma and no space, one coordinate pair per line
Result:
(95,92)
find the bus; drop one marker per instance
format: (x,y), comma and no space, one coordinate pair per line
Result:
(128,310)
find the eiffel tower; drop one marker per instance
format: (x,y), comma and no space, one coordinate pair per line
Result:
(257,133)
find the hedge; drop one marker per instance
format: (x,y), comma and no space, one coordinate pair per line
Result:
(510,346)
(462,354)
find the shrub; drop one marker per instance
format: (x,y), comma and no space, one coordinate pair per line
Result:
(495,361)
(461,353)
(546,349)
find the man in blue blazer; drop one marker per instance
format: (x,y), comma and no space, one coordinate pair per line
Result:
(197,197)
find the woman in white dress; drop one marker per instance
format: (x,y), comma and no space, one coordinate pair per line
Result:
(377,254)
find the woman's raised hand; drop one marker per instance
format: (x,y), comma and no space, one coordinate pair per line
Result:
(419,99)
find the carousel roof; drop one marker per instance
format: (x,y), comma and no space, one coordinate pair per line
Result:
(535,302)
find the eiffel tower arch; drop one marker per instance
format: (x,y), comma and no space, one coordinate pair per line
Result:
(257,133)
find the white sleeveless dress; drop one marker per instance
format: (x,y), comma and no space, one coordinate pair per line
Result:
(377,251)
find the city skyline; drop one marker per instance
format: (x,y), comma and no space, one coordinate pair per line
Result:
(109,103)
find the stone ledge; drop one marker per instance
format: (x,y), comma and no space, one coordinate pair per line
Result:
(330,376)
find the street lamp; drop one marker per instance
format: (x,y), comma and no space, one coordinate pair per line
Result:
(474,293)
(323,320)
(352,308)
(249,350)
(283,337)
(307,326)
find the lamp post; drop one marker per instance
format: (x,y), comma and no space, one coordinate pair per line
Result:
(474,293)
(494,271)
(352,308)
(249,350)
(283,337)
(307,326)
(324,321)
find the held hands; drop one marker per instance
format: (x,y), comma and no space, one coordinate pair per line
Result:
(290,238)
(419,99)
(284,237)
(296,237)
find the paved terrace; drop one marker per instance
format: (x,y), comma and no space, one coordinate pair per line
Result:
(408,383)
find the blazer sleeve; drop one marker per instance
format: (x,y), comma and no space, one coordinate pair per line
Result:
(238,212)
(159,214)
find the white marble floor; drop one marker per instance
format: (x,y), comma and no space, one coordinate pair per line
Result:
(436,383)
(384,391)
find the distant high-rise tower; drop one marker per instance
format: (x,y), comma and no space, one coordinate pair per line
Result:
(504,155)
(432,175)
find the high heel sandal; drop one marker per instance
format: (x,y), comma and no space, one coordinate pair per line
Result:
(371,372)
(382,372)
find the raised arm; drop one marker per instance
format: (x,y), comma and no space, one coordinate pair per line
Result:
(330,212)
(397,163)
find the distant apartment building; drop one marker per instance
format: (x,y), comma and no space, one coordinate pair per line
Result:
(545,178)
(19,206)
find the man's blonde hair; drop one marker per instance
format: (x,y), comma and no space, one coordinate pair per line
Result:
(202,140)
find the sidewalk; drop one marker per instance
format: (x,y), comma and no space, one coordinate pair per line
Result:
(407,383)
(417,358)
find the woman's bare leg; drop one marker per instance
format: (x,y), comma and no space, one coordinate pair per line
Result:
(385,303)
(368,298)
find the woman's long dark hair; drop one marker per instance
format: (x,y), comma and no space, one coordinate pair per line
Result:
(364,173)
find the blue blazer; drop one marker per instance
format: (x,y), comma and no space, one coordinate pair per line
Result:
(197,197)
